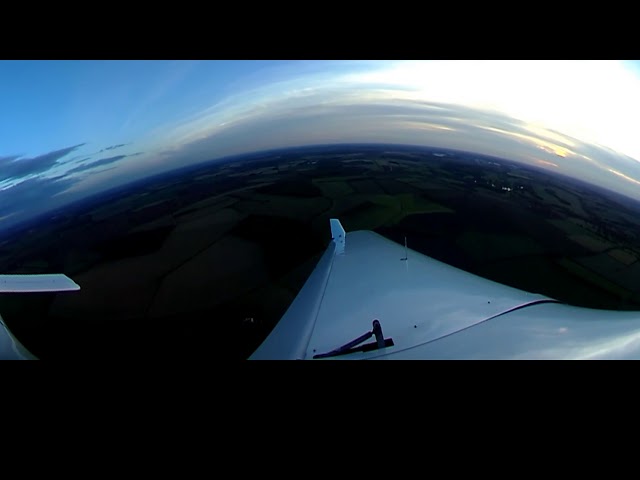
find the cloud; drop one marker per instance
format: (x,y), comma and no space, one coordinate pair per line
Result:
(113,147)
(28,189)
(384,121)
(158,92)
(376,119)
(325,113)
(25,199)
(16,167)
(96,164)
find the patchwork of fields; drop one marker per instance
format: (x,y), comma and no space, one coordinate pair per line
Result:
(205,261)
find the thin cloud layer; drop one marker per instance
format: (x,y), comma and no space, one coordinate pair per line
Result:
(25,198)
(418,123)
(431,104)
(16,167)
(335,117)
(113,147)
(96,164)
(26,182)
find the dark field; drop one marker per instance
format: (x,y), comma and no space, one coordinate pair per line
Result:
(204,261)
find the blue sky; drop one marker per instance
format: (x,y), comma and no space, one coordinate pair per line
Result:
(72,128)
(49,104)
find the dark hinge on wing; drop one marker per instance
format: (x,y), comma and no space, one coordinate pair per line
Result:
(351,347)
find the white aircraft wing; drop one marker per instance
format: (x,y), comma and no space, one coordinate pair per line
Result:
(51,282)
(548,331)
(367,286)
(10,347)
(366,277)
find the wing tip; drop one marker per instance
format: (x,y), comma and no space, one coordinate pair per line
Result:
(32,283)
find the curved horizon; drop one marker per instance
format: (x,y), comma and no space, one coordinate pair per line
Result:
(78,128)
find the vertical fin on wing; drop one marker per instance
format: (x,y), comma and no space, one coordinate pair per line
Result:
(338,235)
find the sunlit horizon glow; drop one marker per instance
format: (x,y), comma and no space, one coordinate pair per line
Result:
(76,128)
(595,101)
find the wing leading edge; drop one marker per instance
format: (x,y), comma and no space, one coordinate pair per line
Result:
(367,277)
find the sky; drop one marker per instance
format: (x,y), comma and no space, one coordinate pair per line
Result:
(69,129)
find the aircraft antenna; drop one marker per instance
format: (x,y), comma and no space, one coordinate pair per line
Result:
(406,250)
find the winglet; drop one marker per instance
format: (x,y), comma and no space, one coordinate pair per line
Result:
(338,235)
(50,282)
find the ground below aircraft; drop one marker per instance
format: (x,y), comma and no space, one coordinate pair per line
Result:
(414,307)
